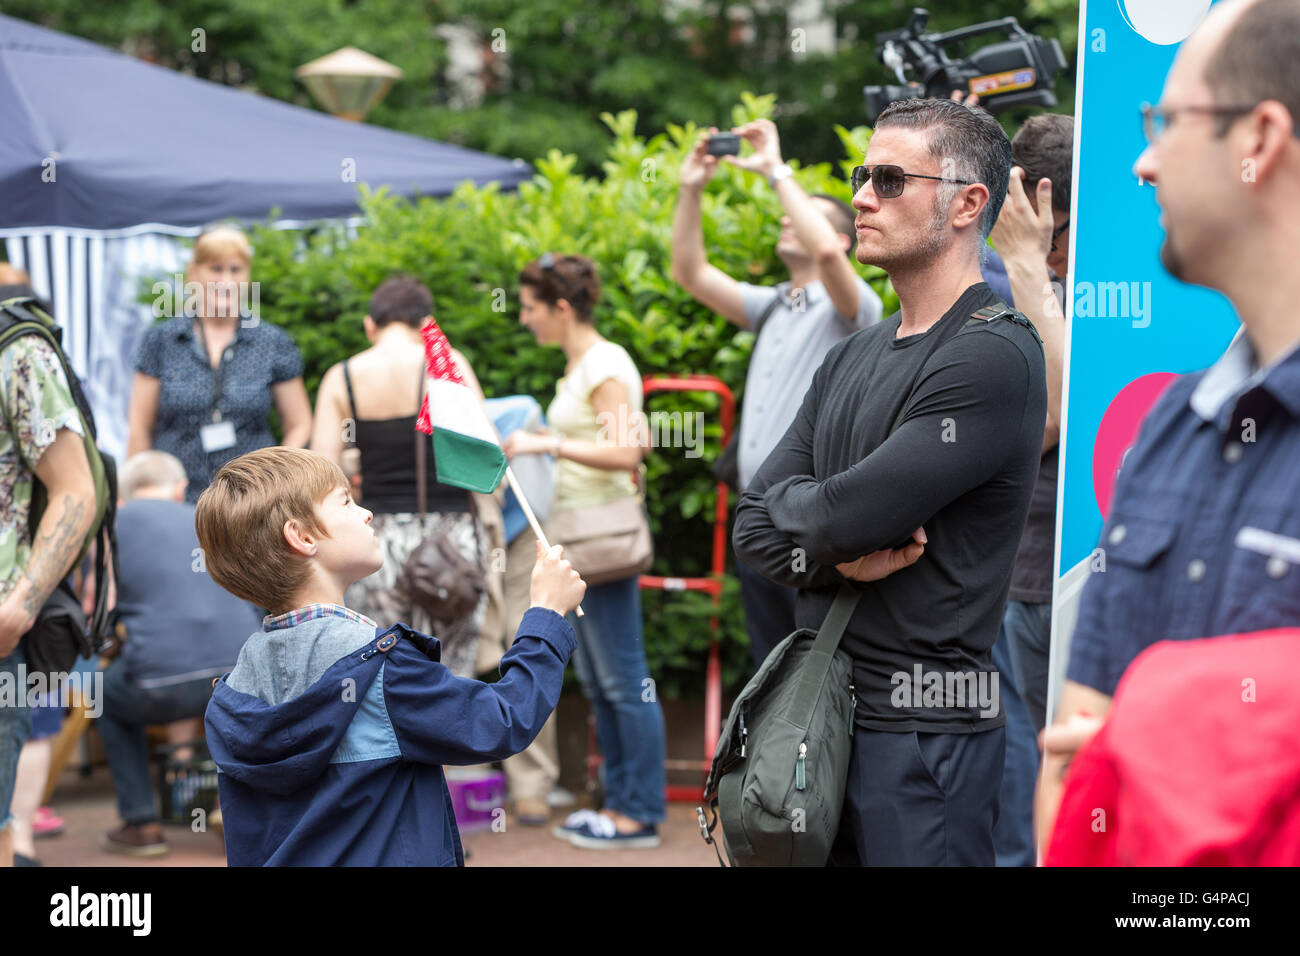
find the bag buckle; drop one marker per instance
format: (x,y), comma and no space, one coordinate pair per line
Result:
(704,825)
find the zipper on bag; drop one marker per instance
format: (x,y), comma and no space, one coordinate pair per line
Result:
(800,776)
(853,706)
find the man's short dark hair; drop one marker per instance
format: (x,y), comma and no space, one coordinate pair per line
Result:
(401,298)
(967,138)
(1259,59)
(1044,148)
(842,218)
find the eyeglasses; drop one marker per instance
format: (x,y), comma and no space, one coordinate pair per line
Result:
(1156,119)
(888,181)
(1056,233)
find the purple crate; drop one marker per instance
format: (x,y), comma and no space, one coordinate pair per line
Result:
(475,794)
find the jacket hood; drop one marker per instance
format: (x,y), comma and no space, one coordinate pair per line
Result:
(281,748)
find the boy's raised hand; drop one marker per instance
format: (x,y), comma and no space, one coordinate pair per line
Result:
(555,585)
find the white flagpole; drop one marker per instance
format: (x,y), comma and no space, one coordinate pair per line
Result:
(532,518)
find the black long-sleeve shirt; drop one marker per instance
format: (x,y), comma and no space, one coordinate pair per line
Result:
(961,464)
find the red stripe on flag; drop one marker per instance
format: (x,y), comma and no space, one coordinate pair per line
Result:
(438,365)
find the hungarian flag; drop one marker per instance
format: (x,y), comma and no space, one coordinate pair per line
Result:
(466,451)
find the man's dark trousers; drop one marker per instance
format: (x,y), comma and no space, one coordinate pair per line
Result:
(917,799)
(769,611)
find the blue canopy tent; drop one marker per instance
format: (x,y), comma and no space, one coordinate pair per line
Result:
(105,158)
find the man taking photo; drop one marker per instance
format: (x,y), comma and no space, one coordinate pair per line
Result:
(796,323)
(928,425)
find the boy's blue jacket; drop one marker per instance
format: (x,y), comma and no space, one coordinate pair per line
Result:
(349,771)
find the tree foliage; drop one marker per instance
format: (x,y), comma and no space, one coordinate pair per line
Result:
(565,62)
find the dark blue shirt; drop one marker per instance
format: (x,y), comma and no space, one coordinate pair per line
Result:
(1203,537)
(259,356)
(180,624)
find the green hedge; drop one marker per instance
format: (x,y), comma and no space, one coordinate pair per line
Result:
(469,247)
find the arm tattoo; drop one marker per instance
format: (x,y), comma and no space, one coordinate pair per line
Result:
(53,552)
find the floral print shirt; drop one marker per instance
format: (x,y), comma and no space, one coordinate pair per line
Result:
(35,403)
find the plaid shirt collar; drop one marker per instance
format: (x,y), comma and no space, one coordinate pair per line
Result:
(274,622)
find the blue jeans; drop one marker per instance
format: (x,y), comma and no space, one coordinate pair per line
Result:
(1013,836)
(128,709)
(1029,629)
(612,668)
(15,726)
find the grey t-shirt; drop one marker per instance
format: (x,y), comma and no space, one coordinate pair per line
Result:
(791,343)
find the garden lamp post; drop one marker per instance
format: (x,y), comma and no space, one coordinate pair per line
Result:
(348,82)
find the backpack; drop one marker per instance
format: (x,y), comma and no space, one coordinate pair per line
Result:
(61,633)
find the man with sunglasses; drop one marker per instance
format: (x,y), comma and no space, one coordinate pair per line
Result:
(915,452)
(796,322)
(1203,535)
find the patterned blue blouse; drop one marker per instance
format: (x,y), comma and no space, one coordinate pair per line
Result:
(259,356)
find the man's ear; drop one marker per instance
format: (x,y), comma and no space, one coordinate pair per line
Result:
(1263,139)
(299,540)
(969,207)
(371,328)
(178,489)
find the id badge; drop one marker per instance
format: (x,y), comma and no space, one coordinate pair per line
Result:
(217,436)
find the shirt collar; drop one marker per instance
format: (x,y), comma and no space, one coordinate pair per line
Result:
(275,622)
(812,292)
(1237,371)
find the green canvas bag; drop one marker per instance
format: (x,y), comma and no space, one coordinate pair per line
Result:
(779,774)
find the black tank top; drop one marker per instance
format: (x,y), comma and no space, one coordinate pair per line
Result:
(388,465)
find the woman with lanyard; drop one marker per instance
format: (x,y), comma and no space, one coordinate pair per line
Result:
(205,383)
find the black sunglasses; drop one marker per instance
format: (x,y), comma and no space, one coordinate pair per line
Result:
(1056,233)
(888,181)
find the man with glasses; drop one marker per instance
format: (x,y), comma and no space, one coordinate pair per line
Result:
(796,322)
(1203,536)
(909,468)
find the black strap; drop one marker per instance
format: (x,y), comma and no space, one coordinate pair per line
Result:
(767,312)
(421,491)
(352,403)
(1000,310)
(818,665)
(219,381)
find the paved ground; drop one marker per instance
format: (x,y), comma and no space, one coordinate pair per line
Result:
(87,805)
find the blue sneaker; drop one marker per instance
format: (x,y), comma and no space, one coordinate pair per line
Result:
(574,822)
(600,834)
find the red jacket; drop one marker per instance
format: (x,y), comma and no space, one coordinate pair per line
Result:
(1198,763)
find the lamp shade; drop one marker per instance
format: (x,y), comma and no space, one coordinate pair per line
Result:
(348,82)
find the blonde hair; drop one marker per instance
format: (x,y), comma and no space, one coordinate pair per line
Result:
(148,469)
(221,242)
(240,522)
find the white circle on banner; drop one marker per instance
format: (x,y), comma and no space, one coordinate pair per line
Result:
(1164,21)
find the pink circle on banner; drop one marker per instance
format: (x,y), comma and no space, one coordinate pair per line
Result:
(1119,430)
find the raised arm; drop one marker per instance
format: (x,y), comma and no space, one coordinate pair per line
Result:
(1023,239)
(691,269)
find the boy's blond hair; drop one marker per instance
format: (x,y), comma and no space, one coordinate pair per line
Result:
(240,522)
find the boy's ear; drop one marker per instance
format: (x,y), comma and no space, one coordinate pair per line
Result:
(301,541)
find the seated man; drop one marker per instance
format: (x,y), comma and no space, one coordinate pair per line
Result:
(331,732)
(181,628)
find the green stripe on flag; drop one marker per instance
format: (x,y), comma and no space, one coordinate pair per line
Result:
(467,462)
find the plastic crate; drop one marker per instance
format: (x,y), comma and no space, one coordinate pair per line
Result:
(185,785)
